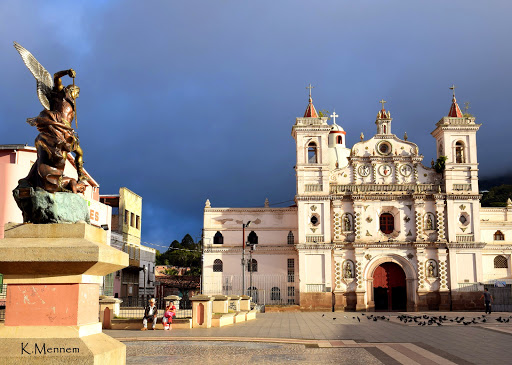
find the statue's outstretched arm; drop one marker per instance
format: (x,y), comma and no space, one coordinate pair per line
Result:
(56,78)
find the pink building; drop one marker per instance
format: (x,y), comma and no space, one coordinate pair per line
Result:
(15,163)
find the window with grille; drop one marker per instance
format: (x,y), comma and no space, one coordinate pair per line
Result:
(217,265)
(291,270)
(252,266)
(387,223)
(275,293)
(218,239)
(499,236)
(291,295)
(500,262)
(291,238)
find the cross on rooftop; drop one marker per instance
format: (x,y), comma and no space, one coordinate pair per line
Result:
(334,116)
(453,88)
(309,87)
(382,102)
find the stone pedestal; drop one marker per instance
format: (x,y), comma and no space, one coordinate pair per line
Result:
(201,311)
(245,303)
(234,303)
(109,306)
(53,273)
(220,304)
(360,304)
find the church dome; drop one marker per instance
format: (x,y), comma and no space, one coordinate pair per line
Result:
(336,128)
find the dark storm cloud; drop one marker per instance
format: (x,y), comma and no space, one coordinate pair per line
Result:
(183,101)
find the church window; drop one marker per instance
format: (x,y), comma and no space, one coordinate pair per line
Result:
(499,236)
(387,223)
(217,265)
(312,153)
(218,239)
(500,262)
(384,128)
(132,220)
(253,238)
(315,220)
(291,238)
(459,152)
(252,266)
(291,270)
(339,140)
(275,293)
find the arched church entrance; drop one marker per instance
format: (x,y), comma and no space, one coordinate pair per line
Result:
(389,287)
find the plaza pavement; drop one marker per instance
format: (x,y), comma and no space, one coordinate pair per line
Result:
(327,338)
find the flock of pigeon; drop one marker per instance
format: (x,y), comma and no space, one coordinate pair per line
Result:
(425,320)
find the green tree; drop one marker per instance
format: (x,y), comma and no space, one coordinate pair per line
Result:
(186,253)
(497,196)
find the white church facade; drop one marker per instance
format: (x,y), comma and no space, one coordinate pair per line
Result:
(372,228)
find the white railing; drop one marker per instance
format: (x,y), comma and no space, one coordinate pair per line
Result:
(315,288)
(369,188)
(315,239)
(313,187)
(470,287)
(465,238)
(462,187)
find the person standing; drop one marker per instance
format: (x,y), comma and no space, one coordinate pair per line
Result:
(150,312)
(487,297)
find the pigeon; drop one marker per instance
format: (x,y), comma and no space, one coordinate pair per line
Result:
(334,319)
(323,315)
(359,319)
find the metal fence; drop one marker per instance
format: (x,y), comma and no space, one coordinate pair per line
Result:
(501,292)
(264,289)
(3,293)
(133,307)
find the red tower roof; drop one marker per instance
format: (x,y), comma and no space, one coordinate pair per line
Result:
(454,109)
(310,111)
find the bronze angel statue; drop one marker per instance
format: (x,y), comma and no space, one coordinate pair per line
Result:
(56,135)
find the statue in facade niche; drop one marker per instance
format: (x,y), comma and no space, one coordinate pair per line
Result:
(430,223)
(431,269)
(56,138)
(348,270)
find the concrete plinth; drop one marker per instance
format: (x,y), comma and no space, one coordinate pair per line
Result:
(53,273)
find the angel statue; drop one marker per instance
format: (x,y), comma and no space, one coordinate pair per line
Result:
(56,135)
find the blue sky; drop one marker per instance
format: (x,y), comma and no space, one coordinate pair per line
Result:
(187,100)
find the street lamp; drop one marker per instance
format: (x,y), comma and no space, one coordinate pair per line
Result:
(244,225)
(145,269)
(252,246)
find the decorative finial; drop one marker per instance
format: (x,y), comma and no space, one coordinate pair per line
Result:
(267,204)
(453,89)
(362,137)
(207,204)
(334,116)
(466,107)
(383,102)
(405,136)
(509,203)
(309,87)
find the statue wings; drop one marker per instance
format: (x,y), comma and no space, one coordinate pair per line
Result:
(43,77)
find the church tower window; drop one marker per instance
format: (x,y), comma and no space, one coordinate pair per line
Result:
(459,152)
(387,223)
(253,238)
(499,236)
(291,238)
(339,140)
(218,239)
(312,153)
(217,265)
(500,262)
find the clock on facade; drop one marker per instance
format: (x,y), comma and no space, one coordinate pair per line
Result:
(405,170)
(364,170)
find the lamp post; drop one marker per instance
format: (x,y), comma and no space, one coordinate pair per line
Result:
(251,270)
(145,269)
(244,225)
